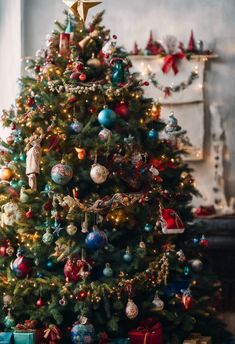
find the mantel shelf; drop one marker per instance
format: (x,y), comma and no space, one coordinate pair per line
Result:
(192,57)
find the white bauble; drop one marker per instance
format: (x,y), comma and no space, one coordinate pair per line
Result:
(158,303)
(99,173)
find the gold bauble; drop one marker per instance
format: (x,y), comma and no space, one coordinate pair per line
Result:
(50,70)
(6,173)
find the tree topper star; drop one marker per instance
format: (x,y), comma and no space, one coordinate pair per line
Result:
(80,8)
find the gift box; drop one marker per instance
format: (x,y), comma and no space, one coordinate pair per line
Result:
(24,338)
(120,341)
(31,326)
(196,338)
(6,337)
(148,332)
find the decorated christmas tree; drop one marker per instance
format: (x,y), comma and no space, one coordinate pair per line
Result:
(95,200)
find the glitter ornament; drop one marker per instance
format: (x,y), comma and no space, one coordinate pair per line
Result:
(96,240)
(48,237)
(61,174)
(71,229)
(132,310)
(76,127)
(105,134)
(83,332)
(76,269)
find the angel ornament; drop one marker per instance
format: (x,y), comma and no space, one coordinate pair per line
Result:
(33,157)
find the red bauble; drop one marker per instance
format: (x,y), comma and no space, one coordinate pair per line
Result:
(75,76)
(122,110)
(29,214)
(3,252)
(79,66)
(76,269)
(187,300)
(30,101)
(10,139)
(21,267)
(82,77)
(40,303)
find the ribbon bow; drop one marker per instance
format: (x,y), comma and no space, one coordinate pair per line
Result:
(170,61)
(148,331)
(29,325)
(53,333)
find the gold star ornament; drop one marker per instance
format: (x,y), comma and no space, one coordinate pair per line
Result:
(80,8)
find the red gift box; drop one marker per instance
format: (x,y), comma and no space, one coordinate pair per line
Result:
(149,332)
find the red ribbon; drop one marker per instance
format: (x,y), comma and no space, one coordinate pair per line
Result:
(170,61)
(147,331)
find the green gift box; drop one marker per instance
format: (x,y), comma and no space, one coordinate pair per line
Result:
(24,338)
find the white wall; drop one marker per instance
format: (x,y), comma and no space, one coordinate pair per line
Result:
(212,21)
(11,45)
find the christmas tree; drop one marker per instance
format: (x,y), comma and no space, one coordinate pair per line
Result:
(95,199)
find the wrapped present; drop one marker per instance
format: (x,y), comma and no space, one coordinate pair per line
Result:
(197,338)
(53,334)
(6,337)
(148,332)
(31,326)
(24,337)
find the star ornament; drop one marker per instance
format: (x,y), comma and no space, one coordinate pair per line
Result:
(80,8)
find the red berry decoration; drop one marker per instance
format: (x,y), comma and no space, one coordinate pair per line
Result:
(76,269)
(82,77)
(187,299)
(82,295)
(122,110)
(40,303)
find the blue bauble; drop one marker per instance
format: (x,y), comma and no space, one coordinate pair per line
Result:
(76,127)
(152,134)
(22,157)
(107,118)
(148,227)
(49,264)
(83,334)
(14,183)
(127,257)
(96,240)
(61,174)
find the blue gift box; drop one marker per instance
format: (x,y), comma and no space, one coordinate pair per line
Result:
(24,338)
(120,341)
(6,337)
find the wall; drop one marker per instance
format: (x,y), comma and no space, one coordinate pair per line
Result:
(211,20)
(11,45)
